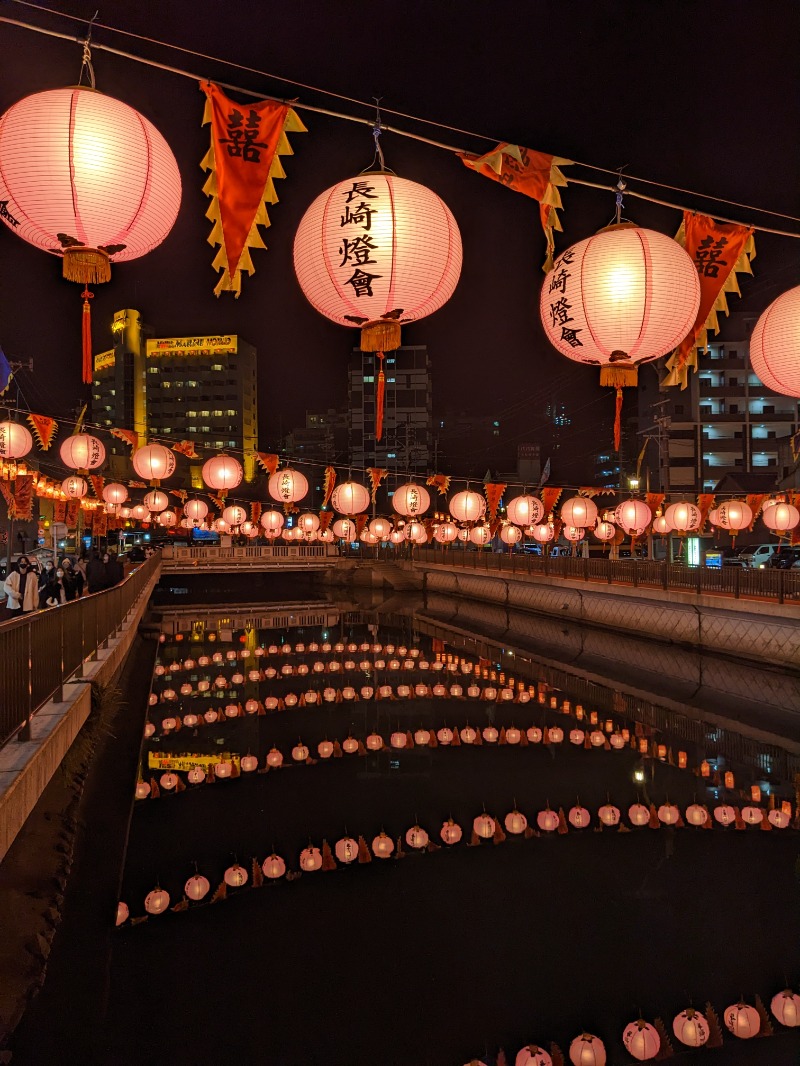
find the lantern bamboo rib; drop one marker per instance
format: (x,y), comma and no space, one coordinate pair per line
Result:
(371,121)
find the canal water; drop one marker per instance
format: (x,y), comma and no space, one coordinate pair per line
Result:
(458,715)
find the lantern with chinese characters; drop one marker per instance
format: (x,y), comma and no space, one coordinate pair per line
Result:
(484,826)
(346,850)
(74,487)
(410,500)
(15,440)
(86,177)
(696,814)
(775,342)
(235,876)
(344,528)
(445,533)
(197,887)
(574,533)
(308,522)
(639,814)
(691,1027)
(579,512)
(734,515)
(525,510)
(310,859)
(609,814)
(480,535)
(633,516)
(417,838)
(451,832)
(587,1050)
(196,510)
(375,251)
(82,451)
(350,498)
(547,820)
(154,462)
(605,531)
(683,517)
(115,493)
(222,473)
(543,533)
(467,506)
(510,535)
(156,501)
(621,298)
(515,822)
(742,1020)
(641,1040)
(287,486)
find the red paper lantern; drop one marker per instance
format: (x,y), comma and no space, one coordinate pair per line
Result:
(775,344)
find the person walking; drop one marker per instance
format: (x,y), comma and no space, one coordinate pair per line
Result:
(73,579)
(46,574)
(114,569)
(96,575)
(53,592)
(21,589)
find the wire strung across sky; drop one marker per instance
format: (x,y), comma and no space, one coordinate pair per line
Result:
(371,122)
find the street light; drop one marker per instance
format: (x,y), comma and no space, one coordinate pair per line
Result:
(633,484)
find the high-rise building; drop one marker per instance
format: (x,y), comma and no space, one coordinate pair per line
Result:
(323,439)
(726,422)
(406,443)
(201,389)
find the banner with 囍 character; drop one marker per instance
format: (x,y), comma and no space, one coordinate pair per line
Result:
(247,141)
(719,251)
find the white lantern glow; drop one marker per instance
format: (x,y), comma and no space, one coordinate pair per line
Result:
(15,440)
(411,500)
(82,451)
(683,517)
(633,516)
(350,498)
(775,343)
(467,506)
(525,510)
(579,512)
(781,517)
(154,462)
(288,486)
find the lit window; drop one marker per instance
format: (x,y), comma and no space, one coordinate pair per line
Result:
(216,414)
(166,384)
(231,443)
(152,370)
(166,429)
(230,411)
(217,366)
(369,377)
(204,414)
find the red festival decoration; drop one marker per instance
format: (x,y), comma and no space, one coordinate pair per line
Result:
(247,141)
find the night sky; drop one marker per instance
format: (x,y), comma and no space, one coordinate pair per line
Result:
(701,96)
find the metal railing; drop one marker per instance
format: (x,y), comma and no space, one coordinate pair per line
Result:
(41,651)
(247,556)
(778,586)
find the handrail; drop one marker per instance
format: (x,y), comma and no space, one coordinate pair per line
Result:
(40,652)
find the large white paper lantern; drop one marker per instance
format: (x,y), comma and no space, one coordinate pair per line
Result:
(525,510)
(781,517)
(74,487)
(683,517)
(467,506)
(411,500)
(114,493)
(82,451)
(633,516)
(287,485)
(196,510)
(15,440)
(235,514)
(734,515)
(775,345)
(156,501)
(350,498)
(445,533)
(222,473)
(579,511)
(154,462)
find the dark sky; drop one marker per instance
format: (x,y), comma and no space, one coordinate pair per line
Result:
(697,95)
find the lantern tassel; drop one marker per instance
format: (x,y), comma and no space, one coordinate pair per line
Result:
(380,397)
(86,336)
(617,418)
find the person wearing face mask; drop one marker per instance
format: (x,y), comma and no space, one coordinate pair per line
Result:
(53,592)
(73,579)
(46,574)
(21,588)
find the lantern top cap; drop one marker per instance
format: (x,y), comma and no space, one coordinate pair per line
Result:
(620,225)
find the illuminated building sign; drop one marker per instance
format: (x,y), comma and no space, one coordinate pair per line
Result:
(104,360)
(192,346)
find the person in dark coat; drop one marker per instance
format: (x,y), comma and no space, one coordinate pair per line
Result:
(73,579)
(114,569)
(96,574)
(53,592)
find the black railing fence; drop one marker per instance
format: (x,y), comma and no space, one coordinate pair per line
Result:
(40,651)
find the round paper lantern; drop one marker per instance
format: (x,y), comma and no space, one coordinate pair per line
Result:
(579,817)
(490,734)
(350,745)
(661,526)
(222,473)
(156,501)
(396,536)
(775,343)
(515,822)
(398,739)
(123,913)
(344,528)
(374,742)
(623,297)
(683,517)
(287,486)
(786,1008)
(639,814)
(779,819)
(510,535)
(734,515)
(534,735)
(576,736)
(300,752)
(195,510)
(249,764)
(346,850)
(605,531)
(633,516)
(350,498)
(154,462)
(574,533)
(272,521)
(641,1040)
(484,826)
(513,735)
(87,177)
(196,775)
(82,451)
(380,250)
(382,846)
(467,506)
(696,814)
(15,440)
(525,510)
(380,528)
(451,832)
(543,533)
(417,838)
(273,867)
(669,814)
(752,815)
(234,515)
(274,758)
(556,734)
(480,535)
(781,517)
(168,781)
(547,820)
(235,876)
(167,519)
(587,1050)
(413,531)
(691,1027)
(445,533)
(742,1020)
(310,859)
(157,901)
(579,512)
(445,735)
(411,500)
(422,737)
(142,790)
(532,1055)
(609,814)
(74,487)
(223,769)
(197,887)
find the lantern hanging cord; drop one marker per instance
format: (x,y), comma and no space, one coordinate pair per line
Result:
(368,121)
(86,63)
